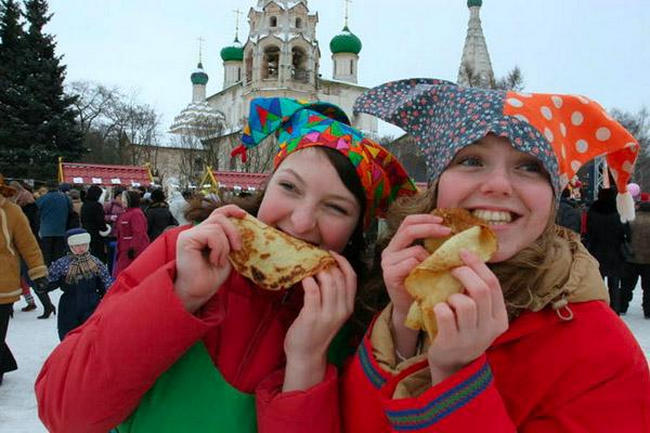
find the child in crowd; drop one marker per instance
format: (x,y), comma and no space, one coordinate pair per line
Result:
(82,277)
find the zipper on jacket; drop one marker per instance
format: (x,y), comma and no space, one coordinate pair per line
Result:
(259,332)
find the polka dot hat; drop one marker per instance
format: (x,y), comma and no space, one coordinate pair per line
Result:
(563,131)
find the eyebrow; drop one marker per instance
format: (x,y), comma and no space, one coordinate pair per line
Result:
(352,200)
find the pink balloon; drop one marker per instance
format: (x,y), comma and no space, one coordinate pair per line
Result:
(633,189)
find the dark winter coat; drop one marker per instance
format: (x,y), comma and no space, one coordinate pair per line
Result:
(605,234)
(159,218)
(92,219)
(31,212)
(54,207)
(640,239)
(569,216)
(79,299)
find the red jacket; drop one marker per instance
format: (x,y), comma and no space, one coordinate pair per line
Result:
(95,378)
(543,375)
(131,232)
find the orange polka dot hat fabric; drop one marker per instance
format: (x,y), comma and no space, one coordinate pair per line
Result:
(562,131)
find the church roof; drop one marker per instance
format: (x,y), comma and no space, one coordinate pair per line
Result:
(78,173)
(475,66)
(345,42)
(198,119)
(199,76)
(233,52)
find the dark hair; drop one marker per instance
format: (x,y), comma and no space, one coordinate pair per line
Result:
(157,195)
(117,192)
(93,193)
(132,199)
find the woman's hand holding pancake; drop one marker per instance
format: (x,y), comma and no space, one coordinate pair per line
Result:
(468,322)
(397,260)
(202,257)
(328,303)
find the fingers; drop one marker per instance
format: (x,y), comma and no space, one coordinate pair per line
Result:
(312,301)
(416,227)
(491,282)
(395,257)
(350,278)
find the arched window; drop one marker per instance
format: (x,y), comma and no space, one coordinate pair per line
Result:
(299,64)
(249,66)
(298,23)
(351,67)
(273,21)
(271,62)
(238,74)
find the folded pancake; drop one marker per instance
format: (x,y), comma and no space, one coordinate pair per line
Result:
(431,282)
(272,259)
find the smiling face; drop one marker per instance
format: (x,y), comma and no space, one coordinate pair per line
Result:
(79,249)
(306,199)
(503,186)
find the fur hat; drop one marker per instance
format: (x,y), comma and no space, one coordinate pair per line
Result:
(77,236)
(5,189)
(563,131)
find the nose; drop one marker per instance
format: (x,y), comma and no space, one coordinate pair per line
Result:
(303,219)
(497,182)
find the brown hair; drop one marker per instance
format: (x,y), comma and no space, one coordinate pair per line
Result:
(523,271)
(201,207)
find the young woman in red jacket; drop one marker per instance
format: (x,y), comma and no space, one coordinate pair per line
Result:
(530,345)
(181,342)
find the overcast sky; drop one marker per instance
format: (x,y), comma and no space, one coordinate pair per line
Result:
(598,48)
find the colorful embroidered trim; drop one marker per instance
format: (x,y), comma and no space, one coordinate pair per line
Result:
(448,402)
(371,371)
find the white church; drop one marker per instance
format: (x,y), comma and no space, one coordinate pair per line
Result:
(281,57)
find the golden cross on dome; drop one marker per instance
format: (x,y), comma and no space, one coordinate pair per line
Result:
(201,40)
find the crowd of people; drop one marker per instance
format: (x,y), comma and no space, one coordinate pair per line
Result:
(180,341)
(75,240)
(622,249)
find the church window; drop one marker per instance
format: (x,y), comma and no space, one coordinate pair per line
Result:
(273,21)
(298,23)
(351,67)
(238,74)
(299,65)
(249,66)
(271,62)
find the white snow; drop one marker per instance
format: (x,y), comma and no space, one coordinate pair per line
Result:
(31,341)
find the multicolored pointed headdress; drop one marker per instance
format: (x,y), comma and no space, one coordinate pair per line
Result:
(300,124)
(562,131)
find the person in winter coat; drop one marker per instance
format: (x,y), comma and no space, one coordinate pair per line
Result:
(74,218)
(159,217)
(605,235)
(568,215)
(131,232)
(82,277)
(639,264)
(92,220)
(16,242)
(530,345)
(25,199)
(185,339)
(54,207)
(177,206)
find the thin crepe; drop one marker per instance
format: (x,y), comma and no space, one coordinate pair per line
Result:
(272,259)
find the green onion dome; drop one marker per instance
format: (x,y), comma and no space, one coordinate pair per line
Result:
(471,3)
(233,52)
(199,76)
(345,42)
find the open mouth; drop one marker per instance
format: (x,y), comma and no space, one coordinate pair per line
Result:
(495,217)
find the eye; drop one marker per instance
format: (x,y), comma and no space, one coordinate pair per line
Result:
(287,186)
(469,161)
(338,209)
(532,167)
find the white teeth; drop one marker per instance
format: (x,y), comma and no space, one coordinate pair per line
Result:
(492,216)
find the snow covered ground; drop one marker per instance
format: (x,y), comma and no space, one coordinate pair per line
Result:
(32,340)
